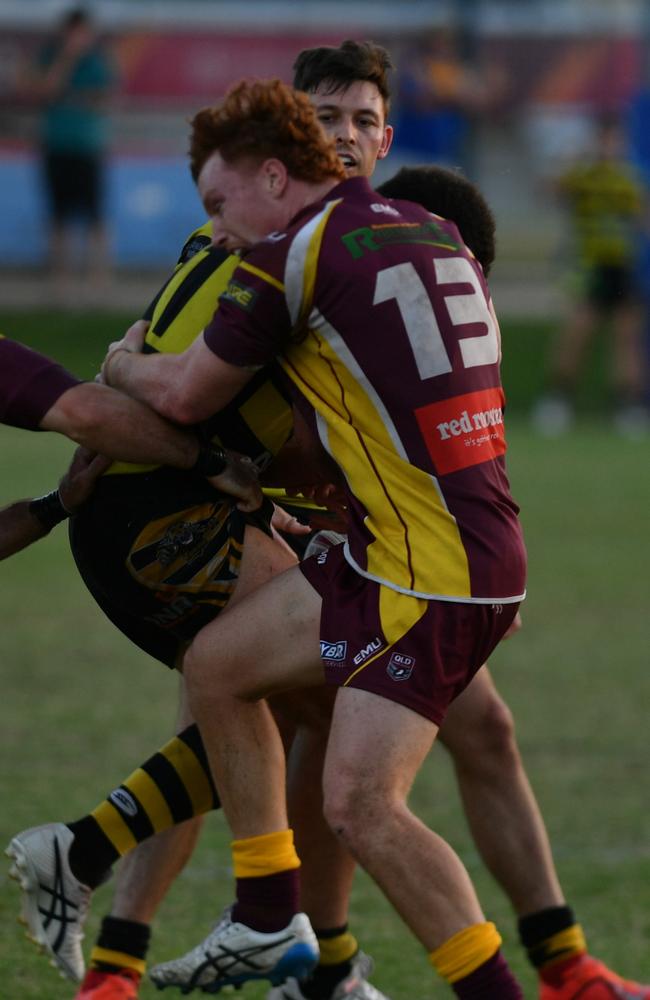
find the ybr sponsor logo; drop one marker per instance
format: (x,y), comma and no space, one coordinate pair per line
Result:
(367,651)
(464,430)
(335,651)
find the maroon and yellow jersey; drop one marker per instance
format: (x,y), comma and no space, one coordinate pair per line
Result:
(382,319)
(30,384)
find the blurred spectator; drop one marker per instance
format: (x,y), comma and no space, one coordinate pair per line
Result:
(605,204)
(440,95)
(72,80)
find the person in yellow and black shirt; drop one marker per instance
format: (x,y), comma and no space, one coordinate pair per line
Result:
(37,394)
(605,205)
(175,544)
(163,553)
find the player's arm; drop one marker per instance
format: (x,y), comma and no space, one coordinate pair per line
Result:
(37,393)
(25,521)
(18,528)
(107,421)
(240,339)
(186,388)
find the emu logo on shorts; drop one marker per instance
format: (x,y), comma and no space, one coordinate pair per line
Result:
(400,666)
(333,651)
(124,801)
(367,651)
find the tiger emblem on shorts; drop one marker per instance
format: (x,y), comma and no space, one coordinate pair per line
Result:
(195,551)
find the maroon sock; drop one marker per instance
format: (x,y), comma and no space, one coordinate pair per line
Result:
(491,981)
(267,903)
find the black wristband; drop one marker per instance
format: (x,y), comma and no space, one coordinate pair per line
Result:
(211,461)
(49,510)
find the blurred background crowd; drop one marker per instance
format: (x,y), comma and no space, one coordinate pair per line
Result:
(544,103)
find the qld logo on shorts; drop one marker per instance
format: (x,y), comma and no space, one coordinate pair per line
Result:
(333,652)
(400,666)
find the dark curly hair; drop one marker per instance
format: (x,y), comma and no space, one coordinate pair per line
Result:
(449,194)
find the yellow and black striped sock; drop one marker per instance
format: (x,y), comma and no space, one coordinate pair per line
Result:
(552,937)
(337,949)
(121,944)
(172,786)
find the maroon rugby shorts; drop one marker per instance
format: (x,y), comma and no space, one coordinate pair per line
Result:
(421,654)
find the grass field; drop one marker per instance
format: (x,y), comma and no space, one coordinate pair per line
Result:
(82,707)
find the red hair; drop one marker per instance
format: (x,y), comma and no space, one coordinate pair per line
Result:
(265,119)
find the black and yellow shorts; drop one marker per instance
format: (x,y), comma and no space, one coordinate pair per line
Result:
(160,552)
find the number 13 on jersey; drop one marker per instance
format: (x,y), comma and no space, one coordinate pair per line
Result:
(463,430)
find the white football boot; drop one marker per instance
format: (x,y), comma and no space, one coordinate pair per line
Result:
(233,953)
(55,903)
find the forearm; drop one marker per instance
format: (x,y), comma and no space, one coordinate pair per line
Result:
(108,422)
(186,388)
(18,528)
(152,379)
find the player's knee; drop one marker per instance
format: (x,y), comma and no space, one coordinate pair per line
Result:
(338,806)
(351,809)
(199,681)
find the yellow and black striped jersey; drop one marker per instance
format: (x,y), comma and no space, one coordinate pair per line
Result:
(259,421)
(606,204)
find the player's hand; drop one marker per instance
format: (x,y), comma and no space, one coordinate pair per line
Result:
(329,497)
(239,480)
(79,481)
(133,341)
(282,520)
(324,494)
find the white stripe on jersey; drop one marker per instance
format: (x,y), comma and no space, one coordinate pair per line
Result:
(294,268)
(421,594)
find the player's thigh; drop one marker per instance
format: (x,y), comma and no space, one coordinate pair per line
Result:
(263,558)
(376,746)
(479,718)
(267,643)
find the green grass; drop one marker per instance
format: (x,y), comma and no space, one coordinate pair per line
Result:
(82,707)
